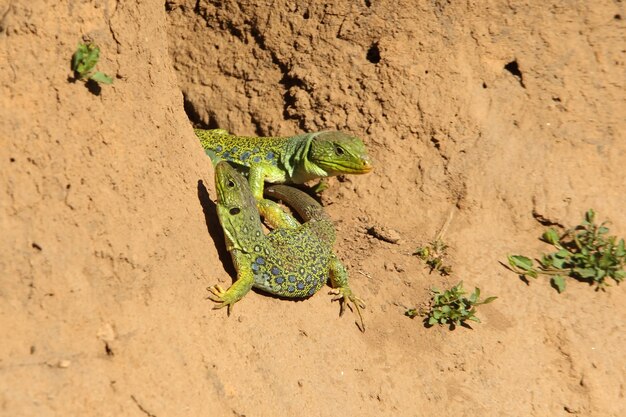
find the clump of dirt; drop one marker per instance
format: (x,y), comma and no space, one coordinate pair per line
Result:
(498,117)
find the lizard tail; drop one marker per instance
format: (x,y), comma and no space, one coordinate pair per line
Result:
(301,202)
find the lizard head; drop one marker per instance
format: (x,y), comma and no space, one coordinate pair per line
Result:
(236,207)
(338,153)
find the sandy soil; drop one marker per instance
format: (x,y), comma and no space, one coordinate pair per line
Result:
(500,116)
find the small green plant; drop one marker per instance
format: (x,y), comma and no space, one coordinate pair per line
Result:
(451,307)
(584,253)
(433,255)
(83,62)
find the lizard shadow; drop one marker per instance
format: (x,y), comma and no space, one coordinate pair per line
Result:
(91,85)
(215,230)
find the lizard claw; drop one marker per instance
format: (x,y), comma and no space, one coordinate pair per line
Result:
(218,295)
(345,296)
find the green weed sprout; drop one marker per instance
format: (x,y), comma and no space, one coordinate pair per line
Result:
(83,62)
(584,253)
(451,307)
(433,255)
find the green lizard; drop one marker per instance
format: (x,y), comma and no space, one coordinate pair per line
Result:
(291,261)
(294,159)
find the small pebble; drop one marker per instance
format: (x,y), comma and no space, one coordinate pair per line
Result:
(384,234)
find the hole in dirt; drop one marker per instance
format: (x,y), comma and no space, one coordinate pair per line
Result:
(194,117)
(484,85)
(368,3)
(12,159)
(190,109)
(435,142)
(617,17)
(513,68)
(36,246)
(238,33)
(306,15)
(373,54)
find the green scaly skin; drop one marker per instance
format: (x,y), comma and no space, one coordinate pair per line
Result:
(312,213)
(293,159)
(291,261)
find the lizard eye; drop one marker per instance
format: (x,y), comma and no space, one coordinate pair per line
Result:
(230,184)
(234,210)
(339,150)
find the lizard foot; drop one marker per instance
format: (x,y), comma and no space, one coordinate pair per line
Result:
(345,297)
(221,297)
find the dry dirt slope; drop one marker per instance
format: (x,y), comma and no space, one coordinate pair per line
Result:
(109,238)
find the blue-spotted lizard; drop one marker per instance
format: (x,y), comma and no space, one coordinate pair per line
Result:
(292,261)
(292,159)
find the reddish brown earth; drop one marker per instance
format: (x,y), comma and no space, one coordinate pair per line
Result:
(494,116)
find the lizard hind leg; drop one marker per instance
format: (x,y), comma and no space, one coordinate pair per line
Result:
(345,296)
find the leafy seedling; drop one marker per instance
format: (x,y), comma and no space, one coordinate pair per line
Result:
(584,253)
(433,254)
(83,62)
(451,307)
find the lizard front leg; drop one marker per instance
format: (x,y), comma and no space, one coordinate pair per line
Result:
(275,216)
(256,179)
(243,284)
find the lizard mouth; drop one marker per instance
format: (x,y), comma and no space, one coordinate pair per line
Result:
(366,166)
(363,167)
